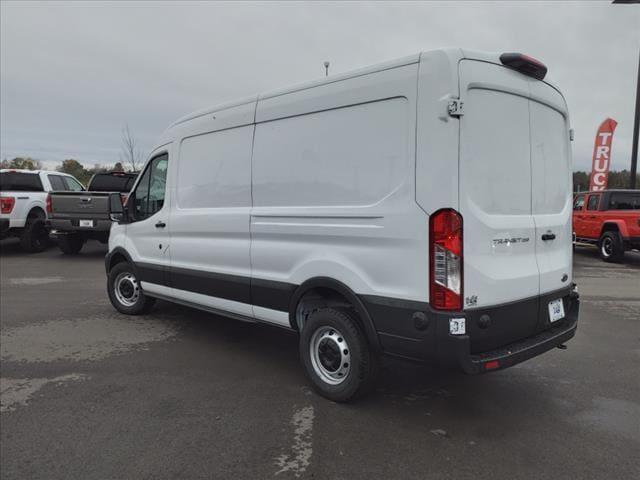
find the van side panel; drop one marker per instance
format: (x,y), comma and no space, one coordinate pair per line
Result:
(210,216)
(333,189)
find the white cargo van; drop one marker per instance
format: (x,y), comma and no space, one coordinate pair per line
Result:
(419,208)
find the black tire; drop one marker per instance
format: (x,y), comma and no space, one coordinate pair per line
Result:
(611,247)
(71,243)
(338,327)
(35,236)
(123,276)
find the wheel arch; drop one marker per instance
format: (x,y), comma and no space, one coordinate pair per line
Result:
(325,290)
(115,256)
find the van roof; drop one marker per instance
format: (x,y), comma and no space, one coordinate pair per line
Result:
(453,52)
(408,60)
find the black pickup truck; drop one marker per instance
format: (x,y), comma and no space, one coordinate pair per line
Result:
(76,217)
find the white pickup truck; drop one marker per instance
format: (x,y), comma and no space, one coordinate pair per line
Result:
(25,203)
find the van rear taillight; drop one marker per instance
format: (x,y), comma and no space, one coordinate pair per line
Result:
(6,204)
(48,204)
(445,260)
(524,64)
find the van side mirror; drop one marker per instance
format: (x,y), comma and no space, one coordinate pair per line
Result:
(117,211)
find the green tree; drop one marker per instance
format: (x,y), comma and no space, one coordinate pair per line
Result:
(22,163)
(580,181)
(617,179)
(75,168)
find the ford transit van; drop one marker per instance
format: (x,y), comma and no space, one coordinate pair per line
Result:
(419,208)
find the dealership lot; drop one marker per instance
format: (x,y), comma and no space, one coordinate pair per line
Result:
(89,393)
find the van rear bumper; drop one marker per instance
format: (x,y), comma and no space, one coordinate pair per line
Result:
(414,331)
(513,353)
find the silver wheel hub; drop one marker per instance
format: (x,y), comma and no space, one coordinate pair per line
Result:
(607,247)
(126,289)
(330,355)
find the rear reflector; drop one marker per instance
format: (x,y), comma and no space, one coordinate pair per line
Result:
(6,204)
(492,365)
(445,260)
(524,64)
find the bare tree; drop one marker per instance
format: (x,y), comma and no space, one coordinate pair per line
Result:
(131,154)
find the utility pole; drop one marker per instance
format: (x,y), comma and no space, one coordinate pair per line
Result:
(636,120)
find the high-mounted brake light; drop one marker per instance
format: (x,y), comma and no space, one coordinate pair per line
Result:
(445,260)
(524,64)
(49,204)
(6,204)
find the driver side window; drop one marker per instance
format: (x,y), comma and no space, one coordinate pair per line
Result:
(148,197)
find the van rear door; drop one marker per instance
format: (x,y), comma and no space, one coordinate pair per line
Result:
(495,188)
(515,186)
(552,185)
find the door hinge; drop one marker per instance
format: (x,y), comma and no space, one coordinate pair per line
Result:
(455,107)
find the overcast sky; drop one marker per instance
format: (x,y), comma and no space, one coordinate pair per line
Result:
(73,74)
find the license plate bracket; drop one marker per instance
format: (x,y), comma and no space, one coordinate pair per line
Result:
(556,310)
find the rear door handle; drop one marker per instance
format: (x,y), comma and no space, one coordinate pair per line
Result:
(548,236)
(161,224)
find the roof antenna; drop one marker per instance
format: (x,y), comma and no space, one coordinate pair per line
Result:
(326,68)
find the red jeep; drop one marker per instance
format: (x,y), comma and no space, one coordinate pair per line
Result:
(609,219)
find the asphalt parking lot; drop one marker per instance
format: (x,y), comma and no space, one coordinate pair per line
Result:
(90,394)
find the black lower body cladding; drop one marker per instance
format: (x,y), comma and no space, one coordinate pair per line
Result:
(403,328)
(509,333)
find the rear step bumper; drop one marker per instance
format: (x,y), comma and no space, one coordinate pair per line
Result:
(516,352)
(396,323)
(457,348)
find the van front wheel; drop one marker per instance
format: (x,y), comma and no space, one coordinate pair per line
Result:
(125,292)
(336,356)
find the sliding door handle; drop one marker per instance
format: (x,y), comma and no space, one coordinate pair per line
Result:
(161,224)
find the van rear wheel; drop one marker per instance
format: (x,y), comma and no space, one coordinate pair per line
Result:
(125,292)
(336,356)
